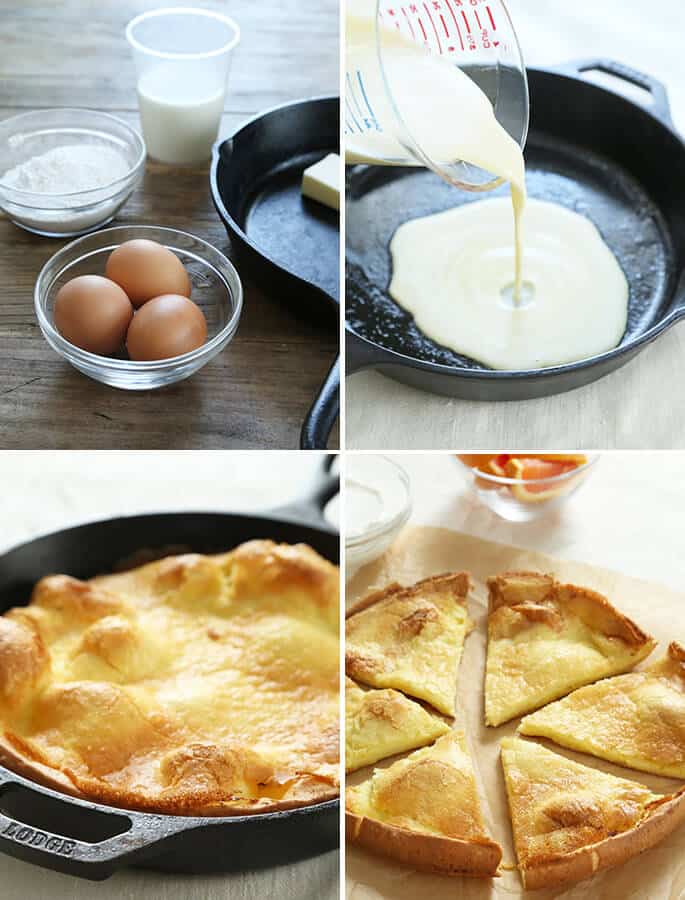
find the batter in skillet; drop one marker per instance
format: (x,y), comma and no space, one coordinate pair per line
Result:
(468,276)
(453,271)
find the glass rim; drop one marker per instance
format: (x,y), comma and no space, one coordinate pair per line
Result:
(592,458)
(398,520)
(112,364)
(37,196)
(182,11)
(412,145)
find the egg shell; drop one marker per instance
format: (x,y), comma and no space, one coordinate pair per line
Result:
(93,313)
(146,269)
(166,326)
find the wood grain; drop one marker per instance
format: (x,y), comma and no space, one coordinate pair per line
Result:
(257,392)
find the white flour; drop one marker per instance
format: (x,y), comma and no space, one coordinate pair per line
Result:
(65,170)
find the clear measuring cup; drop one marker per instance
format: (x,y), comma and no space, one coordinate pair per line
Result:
(477,36)
(182,58)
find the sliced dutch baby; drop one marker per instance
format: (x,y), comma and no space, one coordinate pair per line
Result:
(570,821)
(411,638)
(546,639)
(381,723)
(635,720)
(424,811)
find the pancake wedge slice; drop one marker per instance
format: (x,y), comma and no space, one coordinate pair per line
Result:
(546,639)
(570,821)
(380,723)
(635,720)
(411,638)
(423,811)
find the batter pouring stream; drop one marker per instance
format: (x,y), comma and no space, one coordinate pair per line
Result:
(463,274)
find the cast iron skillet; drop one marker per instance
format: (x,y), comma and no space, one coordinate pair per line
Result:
(290,244)
(590,149)
(91,840)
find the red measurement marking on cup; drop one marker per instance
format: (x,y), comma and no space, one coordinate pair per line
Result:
(456,24)
(411,27)
(430,17)
(438,24)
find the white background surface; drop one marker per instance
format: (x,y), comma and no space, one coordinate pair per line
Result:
(44,491)
(627,516)
(629,408)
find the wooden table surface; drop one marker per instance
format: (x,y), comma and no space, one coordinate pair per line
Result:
(632,407)
(257,391)
(44,492)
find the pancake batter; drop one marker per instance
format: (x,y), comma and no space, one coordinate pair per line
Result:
(425,88)
(449,271)
(462,274)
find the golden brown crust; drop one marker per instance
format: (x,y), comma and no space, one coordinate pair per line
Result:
(664,817)
(546,639)
(424,811)
(521,589)
(570,821)
(517,587)
(192,685)
(411,638)
(675,659)
(636,720)
(428,853)
(459,583)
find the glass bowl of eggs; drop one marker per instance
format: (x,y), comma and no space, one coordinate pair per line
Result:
(138,307)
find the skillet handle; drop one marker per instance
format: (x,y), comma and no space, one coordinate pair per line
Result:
(310,507)
(661,107)
(38,836)
(323,413)
(359,354)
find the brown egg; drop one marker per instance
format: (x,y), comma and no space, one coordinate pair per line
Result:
(166,326)
(93,313)
(146,269)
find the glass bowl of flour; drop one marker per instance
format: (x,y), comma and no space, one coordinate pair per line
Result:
(64,172)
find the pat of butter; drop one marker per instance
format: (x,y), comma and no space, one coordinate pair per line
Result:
(321,181)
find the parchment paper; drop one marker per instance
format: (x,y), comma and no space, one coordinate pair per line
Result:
(658,874)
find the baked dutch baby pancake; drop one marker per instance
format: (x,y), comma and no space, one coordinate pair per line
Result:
(424,811)
(546,639)
(411,638)
(570,821)
(194,685)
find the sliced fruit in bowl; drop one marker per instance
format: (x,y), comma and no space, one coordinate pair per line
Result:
(523,485)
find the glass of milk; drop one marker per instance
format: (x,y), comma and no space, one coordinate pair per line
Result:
(182,60)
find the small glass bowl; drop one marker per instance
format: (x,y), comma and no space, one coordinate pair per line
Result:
(386,485)
(216,289)
(545,494)
(67,215)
